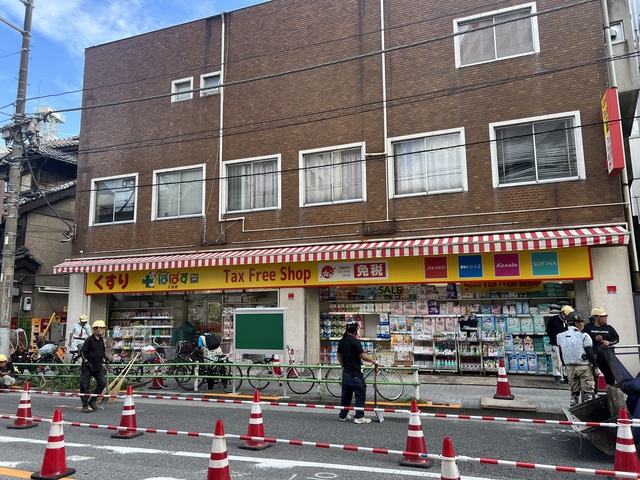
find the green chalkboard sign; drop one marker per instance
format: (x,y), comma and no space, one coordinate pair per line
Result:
(259,330)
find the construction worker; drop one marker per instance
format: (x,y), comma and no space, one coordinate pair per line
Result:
(80,332)
(7,374)
(93,353)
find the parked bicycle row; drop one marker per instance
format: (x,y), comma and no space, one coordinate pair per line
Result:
(190,371)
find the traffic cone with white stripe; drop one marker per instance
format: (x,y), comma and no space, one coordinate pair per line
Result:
(128,418)
(158,382)
(256,427)
(503,391)
(626,457)
(449,470)
(415,440)
(601,384)
(54,464)
(24,410)
(218,462)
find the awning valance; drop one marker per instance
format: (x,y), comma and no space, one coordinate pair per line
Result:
(498,242)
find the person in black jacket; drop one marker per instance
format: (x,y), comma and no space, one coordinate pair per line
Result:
(603,336)
(93,352)
(555,325)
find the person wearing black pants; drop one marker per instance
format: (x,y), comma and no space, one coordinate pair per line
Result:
(603,336)
(350,356)
(93,352)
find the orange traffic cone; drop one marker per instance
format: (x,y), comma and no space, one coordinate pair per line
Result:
(54,464)
(158,382)
(503,392)
(449,470)
(24,410)
(626,457)
(601,384)
(128,418)
(415,440)
(218,462)
(256,427)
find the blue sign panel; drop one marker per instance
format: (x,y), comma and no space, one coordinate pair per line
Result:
(470,266)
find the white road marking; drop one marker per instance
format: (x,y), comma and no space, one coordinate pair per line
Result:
(260,462)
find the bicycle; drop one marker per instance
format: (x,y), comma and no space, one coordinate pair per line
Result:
(300,380)
(389,382)
(227,377)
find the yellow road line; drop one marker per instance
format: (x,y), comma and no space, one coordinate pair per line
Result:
(13,473)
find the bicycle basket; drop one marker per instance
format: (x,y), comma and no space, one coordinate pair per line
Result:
(184,347)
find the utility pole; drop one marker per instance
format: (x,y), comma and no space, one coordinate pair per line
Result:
(22,132)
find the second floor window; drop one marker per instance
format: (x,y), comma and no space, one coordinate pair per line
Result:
(252,185)
(431,164)
(209,84)
(503,34)
(536,151)
(333,176)
(114,200)
(182,89)
(179,193)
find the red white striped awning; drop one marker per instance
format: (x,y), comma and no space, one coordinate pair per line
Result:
(498,242)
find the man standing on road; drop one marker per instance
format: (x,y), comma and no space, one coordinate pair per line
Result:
(578,356)
(603,336)
(93,351)
(350,356)
(81,331)
(555,325)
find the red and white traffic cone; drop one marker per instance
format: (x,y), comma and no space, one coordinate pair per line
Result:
(277,370)
(24,410)
(158,382)
(218,462)
(415,440)
(256,427)
(128,418)
(503,391)
(54,464)
(601,384)
(626,457)
(449,470)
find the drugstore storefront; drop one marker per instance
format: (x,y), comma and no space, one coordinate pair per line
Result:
(594,260)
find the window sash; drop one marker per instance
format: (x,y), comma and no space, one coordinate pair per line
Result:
(180,193)
(182,90)
(114,200)
(333,177)
(209,84)
(480,42)
(252,186)
(537,151)
(429,165)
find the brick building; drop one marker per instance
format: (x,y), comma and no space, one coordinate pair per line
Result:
(268,155)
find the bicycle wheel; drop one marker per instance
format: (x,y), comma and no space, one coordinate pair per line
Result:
(333,387)
(258,371)
(302,379)
(228,385)
(184,377)
(390,392)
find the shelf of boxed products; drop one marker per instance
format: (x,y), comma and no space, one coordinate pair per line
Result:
(445,355)
(469,354)
(423,350)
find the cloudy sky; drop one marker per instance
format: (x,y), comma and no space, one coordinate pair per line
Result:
(62,29)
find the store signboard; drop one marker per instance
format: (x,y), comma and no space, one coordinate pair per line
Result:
(506,286)
(561,264)
(259,330)
(613,135)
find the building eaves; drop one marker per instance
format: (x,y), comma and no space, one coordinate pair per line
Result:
(60,191)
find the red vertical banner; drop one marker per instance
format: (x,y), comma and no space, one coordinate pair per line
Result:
(612,124)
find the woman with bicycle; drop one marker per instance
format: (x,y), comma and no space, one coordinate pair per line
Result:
(350,356)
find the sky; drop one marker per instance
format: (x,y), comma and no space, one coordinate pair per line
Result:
(63,29)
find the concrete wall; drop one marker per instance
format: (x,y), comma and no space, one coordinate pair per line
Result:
(611,268)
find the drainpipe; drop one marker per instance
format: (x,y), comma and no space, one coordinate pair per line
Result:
(624,179)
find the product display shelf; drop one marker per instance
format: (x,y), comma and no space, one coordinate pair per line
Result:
(445,351)
(423,350)
(137,326)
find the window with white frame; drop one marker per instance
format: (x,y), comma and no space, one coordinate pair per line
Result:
(333,176)
(209,84)
(113,200)
(435,163)
(538,150)
(497,35)
(253,184)
(179,192)
(182,89)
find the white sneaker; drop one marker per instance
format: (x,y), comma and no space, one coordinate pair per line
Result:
(362,420)
(345,419)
